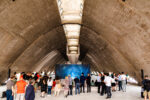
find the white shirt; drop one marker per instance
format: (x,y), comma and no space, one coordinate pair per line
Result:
(123,77)
(18,76)
(113,80)
(50,82)
(98,79)
(108,80)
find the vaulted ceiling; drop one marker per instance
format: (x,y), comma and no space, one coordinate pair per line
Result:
(115,36)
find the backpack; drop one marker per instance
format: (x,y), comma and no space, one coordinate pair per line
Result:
(147,85)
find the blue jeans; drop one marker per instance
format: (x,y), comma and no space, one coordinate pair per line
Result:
(49,89)
(120,85)
(9,95)
(70,87)
(77,88)
(82,86)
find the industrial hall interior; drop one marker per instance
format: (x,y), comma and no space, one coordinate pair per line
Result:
(74,49)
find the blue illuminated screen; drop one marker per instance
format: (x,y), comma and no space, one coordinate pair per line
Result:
(75,70)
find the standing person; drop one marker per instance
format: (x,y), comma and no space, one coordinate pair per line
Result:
(120,82)
(40,82)
(70,84)
(30,93)
(92,83)
(99,82)
(43,88)
(116,81)
(57,86)
(66,86)
(96,83)
(127,77)
(146,84)
(82,81)
(108,81)
(54,83)
(88,82)
(20,86)
(10,85)
(36,82)
(15,77)
(45,78)
(113,83)
(77,85)
(103,85)
(50,84)
(123,78)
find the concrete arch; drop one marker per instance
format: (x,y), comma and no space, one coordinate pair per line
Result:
(124,25)
(114,35)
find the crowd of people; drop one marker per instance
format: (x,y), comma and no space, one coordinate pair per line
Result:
(25,87)
(107,83)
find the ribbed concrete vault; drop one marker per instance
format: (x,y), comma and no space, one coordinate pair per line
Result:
(114,36)
(124,29)
(29,30)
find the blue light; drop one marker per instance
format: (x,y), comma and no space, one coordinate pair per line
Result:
(75,70)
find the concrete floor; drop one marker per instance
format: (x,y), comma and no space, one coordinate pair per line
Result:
(133,93)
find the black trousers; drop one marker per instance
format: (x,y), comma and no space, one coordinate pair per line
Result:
(120,85)
(70,87)
(103,88)
(88,88)
(82,87)
(108,91)
(99,85)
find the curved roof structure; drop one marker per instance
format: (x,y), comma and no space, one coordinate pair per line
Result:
(114,36)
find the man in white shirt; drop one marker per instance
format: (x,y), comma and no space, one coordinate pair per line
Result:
(108,81)
(123,78)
